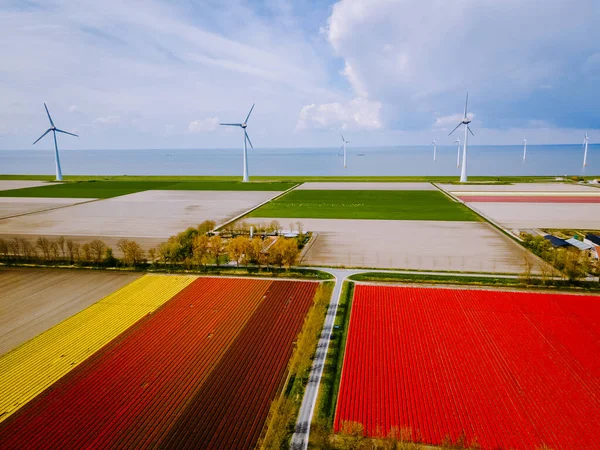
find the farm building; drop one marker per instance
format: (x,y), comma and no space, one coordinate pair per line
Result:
(557,242)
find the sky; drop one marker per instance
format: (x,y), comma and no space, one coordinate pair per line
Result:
(164,73)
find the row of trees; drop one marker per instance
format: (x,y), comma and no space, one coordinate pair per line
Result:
(570,261)
(273,227)
(194,247)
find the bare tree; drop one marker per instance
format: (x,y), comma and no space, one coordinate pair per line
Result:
(98,250)
(43,243)
(86,249)
(3,247)
(54,250)
(132,252)
(61,245)
(300,227)
(73,251)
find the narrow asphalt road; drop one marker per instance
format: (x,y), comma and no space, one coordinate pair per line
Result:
(302,431)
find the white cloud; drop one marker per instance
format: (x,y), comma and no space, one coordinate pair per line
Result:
(73,108)
(107,120)
(358,114)
(208,124)
(420,57)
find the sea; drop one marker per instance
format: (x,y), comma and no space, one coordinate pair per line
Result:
(556,160)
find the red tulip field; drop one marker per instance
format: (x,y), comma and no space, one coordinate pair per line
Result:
(200,372)
(503,369)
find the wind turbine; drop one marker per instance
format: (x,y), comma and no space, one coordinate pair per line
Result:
(434,150)
(54,130)
(585,148)
(465,121)
(457,152)
(524,149)
(344,142)
(247,140)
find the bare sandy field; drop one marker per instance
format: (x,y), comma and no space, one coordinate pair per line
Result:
(541,215)
(149,214)
(357,186)
(33,300)
(7,185)
(518,187)
(12,206)
(425,245)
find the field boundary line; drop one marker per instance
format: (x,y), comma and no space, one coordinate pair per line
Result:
(50,209)
(239,216)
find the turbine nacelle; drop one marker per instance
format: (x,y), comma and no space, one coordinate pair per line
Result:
(466,121)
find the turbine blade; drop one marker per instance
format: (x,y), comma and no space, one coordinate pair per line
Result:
(231,124)
(248,137)
(47,131)
(343,140)
(66,132)
(49,118)
(468,128)
(248,116)
(466,103)
(455,129)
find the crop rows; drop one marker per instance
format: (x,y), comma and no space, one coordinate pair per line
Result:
(35,365)
(138,391)
(505,369)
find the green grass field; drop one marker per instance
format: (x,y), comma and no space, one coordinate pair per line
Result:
(391,205)
(112,188)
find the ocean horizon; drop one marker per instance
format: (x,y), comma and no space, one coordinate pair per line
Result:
(488,160)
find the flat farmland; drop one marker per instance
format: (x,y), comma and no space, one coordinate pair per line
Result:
(541,215)
(200,372)
(406,244)
(14,206)
(34,300)
(503,369)
(363,204)
(149,214)
(365,186)
(35,365)
(9,185)
(518,187)
(112,188)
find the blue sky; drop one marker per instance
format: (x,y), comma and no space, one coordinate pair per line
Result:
(163,74)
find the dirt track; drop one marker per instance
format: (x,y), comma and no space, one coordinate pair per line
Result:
(11,206)
(33,300)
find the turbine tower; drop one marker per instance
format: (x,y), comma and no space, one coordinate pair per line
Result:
(457,152)
(465,121)
(524,149)
(344,142)
(243,126)
(585,148)
(54,130)
(434,150)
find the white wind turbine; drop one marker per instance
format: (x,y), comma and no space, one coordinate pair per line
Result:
(465,121)
(434,150)
(524,149)
(54,130)
(457,152)
(585,149)
(243,126)
(344,142)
